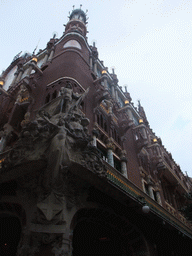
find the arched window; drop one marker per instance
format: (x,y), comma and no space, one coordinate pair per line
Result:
(105,126)
(72,43)
(98,119)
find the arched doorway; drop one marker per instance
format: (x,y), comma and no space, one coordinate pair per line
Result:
(102,232)
(93,239)
(10,233)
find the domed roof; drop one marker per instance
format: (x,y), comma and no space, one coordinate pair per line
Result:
(78,14)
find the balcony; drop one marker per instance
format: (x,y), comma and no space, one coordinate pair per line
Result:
(171,174)
(168,214)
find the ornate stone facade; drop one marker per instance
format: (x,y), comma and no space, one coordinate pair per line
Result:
(81,171)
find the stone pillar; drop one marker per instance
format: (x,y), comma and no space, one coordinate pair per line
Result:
(95,133)
(15,78)
(33,61)
(116,94)
(24,245)
(105,83)
(174,202)
(110,147)
(130,115)
(113,91)
(95,67)
(65,248)
(150,188)
(51,54)
(20,73)
(2,143)
(158,151)
(143,131)
(91,62)
(45,57)
(158,197)
(124,163)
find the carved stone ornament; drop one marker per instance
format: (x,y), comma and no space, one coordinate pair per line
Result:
(49,145)
(62,247)
(31,242)
(91,160)
(23,95)
(110,144)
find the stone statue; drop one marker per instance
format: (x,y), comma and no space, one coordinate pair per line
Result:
(23,94)
(69,132)
(66,94)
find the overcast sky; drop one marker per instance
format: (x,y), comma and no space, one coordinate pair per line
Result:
(149,42)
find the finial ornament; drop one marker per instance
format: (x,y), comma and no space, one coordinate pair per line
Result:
(80,6)
(73,7)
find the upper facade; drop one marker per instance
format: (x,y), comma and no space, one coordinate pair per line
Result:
(134,156)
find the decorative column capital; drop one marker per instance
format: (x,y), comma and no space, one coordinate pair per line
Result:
(95,132)
(110,144)
(123,157)
(149,180)
(20,70)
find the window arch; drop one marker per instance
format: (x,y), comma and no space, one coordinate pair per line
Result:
(72,43)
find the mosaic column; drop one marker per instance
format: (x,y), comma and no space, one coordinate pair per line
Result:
(110,147)
(95,133)
(124,163)
(2,143)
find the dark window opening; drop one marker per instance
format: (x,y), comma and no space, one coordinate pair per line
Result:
(101,119)
(105,126)
(82,106)
(98,119)
(155,195)
(117,164)
(115,135)
(146,188)
(47,99)
(103,152)
(54,95)
(118,140)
